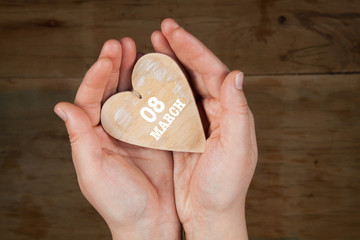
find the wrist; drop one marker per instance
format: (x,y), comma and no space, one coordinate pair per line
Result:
(217,226)
(159,231)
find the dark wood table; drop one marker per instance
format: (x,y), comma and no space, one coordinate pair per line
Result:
(302,79)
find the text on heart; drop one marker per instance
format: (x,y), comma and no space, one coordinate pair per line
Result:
(158,106)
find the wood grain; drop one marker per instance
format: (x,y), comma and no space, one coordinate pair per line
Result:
(40,198)
(63,38)
(307,182)
(306,185)
(171,120)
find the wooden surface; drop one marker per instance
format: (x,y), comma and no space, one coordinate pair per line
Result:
(302,79)
(62,38)
(171,120)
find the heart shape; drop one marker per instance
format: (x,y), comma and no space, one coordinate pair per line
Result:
(160,112)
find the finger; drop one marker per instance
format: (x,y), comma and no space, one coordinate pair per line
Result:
(235,118)
(92,88)
(86,150)
(161,45)
(205,68)
(112,50)
(127,63)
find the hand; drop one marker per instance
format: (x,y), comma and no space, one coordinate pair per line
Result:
(210,188)
(131,187)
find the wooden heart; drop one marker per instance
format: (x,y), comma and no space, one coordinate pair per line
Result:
(160,112)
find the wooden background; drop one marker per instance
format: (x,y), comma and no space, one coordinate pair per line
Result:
(302,66)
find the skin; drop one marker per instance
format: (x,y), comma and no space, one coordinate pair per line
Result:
(130,186)
(144,193)
(210,188)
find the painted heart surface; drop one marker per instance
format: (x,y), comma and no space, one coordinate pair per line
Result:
(160,113)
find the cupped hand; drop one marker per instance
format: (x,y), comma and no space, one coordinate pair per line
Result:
(131,187)
(211,187)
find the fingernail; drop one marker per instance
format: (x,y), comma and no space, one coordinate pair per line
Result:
(239,78)
(60,113)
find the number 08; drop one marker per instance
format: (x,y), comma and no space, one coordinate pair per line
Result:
(147,113)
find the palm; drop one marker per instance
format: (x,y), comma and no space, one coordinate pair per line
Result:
(203,181)
(127,184)
(214,179)
(130,172)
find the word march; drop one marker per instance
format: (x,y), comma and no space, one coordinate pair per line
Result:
(166,120)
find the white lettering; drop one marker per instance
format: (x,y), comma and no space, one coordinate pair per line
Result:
(164,126)
(173,111)
(179,105)
(168,118)
(157,105)
(156,133)
(144,110)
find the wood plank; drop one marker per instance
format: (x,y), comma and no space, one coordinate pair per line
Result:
(40,197)
(145,118)
(306,185)
(63,38)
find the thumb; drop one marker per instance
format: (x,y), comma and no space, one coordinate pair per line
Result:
(85,146)
(235,118)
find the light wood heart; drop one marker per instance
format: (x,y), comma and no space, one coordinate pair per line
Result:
(160,112)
